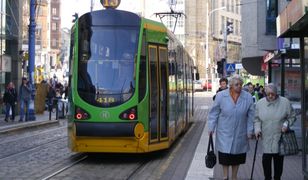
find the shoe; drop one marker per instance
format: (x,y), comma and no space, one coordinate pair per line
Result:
(20,120)
(5,120)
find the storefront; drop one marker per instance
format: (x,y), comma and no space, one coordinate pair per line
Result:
(292,22)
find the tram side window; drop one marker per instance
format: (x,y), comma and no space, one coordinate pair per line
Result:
(71,57)
(142,71)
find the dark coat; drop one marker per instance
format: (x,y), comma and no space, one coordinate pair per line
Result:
(10,96)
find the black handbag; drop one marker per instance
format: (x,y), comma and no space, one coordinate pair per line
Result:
(210,158)
(288,144)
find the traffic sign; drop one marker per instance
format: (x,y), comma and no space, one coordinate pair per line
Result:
(230,67)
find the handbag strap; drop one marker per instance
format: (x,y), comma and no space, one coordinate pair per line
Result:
(211,145)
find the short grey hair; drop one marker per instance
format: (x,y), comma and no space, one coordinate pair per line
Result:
(234,79)
(272,87)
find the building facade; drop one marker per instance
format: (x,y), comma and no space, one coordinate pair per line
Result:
(293,24)
(10,44)
(206,39)
(274,46)
(264,54)
(55,34)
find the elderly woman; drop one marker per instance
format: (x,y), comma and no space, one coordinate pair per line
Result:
(273,115)
(232,117)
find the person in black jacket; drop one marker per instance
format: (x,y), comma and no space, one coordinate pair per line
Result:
(223,84)
(10,100)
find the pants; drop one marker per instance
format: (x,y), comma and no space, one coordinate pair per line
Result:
(24,104)
(9,106)
(267,166)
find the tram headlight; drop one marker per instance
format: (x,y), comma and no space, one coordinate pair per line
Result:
(129,114)
(81,114)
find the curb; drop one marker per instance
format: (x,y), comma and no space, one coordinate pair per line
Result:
(28,125)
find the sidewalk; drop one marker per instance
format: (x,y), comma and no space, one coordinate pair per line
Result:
(41,120)
(197,170)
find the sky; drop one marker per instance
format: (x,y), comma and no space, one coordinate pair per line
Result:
(70,7)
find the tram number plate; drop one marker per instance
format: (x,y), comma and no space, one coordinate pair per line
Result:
(105,100)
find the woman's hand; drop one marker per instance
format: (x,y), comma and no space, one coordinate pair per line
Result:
(258,135)
(284,129)
(211,133)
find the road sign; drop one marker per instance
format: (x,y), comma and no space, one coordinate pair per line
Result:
(230,67)
(238,66)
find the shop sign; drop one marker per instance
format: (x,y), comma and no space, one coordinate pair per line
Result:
(268,56)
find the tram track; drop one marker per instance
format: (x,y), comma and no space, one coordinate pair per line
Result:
(75,160)
(136,170)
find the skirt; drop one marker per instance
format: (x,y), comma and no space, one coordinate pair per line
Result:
(231,159)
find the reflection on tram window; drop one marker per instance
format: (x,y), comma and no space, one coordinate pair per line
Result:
(110,64)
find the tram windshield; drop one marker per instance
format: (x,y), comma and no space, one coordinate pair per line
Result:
(106,66)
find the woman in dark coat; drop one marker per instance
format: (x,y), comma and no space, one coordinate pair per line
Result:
(10,100)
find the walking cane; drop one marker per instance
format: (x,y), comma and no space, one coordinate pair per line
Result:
(254,158)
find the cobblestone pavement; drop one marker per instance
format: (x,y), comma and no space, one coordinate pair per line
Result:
(37,153)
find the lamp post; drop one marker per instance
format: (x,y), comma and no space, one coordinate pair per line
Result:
(208,14)
(31,62)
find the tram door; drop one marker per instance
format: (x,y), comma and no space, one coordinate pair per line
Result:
(158,62)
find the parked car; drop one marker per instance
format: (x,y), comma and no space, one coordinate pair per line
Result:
(207,85)
(198,86)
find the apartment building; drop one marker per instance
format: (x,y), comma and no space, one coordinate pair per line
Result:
(47,37)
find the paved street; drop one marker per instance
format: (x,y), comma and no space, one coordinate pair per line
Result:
(37,149)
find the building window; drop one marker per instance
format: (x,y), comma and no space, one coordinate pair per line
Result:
(271,14)
(54,43)
(54,11)
(54,26)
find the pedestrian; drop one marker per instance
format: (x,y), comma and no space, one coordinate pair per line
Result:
(273,115)
(231,116)
(223,84)
(51,94)
(252,91)
(65,91)
(24,99)
(10,100)
(261,92)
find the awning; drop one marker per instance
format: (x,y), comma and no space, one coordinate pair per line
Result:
(253,65)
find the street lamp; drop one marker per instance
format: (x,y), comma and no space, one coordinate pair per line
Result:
(207,36)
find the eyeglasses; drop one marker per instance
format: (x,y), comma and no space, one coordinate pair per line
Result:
(270,94)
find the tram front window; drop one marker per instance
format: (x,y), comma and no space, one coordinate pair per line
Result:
(106,65)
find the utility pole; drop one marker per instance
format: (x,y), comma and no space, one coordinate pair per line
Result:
(31,47)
